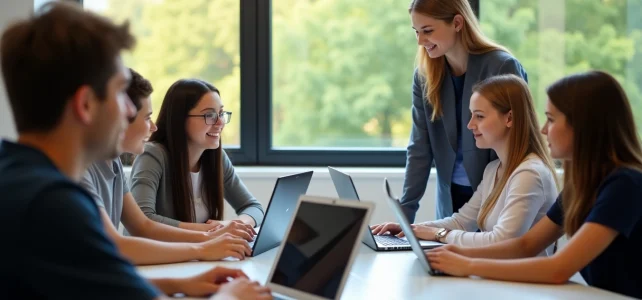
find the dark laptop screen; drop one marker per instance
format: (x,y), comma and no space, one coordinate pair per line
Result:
(318,247)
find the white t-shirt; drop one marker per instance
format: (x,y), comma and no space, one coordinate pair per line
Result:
(202,214)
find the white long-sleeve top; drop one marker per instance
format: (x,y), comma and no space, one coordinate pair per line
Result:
(528,194)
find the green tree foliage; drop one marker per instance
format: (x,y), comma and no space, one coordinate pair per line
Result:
(342,70)
(186,39)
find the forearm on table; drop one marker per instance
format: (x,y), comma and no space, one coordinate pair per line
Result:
(143,251)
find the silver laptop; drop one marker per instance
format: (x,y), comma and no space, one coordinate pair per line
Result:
(285,197)
(407,229)
(315,258)
(346,190)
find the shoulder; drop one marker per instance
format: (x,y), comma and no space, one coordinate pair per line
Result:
(491,166)
(497,57)
(92,173)
(226,161)
(625,180)
(64,199)
(155,151)
(532,167)
(89,180)
(535,163)
(498,62)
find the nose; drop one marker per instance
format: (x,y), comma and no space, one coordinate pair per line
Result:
(220,121)
(470,125)
(152,126)
(544,130)
(421,39)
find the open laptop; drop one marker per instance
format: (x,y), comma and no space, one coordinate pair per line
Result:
(285,197)
(315,258)
(345,189)
(407,229)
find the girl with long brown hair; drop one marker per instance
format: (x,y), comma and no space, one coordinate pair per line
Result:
(517,189)
(590,127)
(184,175)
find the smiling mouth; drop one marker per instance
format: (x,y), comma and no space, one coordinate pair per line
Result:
(213,134)
(431,48)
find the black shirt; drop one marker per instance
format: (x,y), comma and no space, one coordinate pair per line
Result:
(618,206)
(54,244)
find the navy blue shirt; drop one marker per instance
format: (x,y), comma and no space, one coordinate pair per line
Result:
(53,241)
(618,206)
(459,172)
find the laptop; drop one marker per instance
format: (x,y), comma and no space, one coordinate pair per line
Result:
(285,197)
(315,258)
(346,190)
(407,229)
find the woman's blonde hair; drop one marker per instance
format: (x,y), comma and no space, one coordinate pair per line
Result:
(604,138)
(510,93)
(472,38)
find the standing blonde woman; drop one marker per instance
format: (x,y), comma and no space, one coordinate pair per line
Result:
(517,189)
(453,55)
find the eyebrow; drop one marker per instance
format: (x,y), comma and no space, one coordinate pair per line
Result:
(478,110)
(425,26)
(212,108)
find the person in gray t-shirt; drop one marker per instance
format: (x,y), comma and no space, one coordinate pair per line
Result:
(105,181)
(153,242)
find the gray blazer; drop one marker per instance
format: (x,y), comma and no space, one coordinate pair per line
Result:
(151,186)
(437,141)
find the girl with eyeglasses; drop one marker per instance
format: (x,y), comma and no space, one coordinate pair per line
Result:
(184,174)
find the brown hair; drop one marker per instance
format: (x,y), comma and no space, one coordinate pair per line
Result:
(181,97)
(432,70)
(598,111)
(49,56)
(139,88)
(510,93)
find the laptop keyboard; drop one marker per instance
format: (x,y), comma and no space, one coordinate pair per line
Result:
(390,240)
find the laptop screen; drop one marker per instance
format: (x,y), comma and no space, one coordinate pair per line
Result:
(318,247)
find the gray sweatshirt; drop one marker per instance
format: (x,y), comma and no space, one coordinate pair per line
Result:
(151,185)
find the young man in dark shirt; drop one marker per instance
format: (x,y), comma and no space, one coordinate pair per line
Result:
(66,86)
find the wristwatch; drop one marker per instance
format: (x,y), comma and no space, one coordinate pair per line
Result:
(441,233)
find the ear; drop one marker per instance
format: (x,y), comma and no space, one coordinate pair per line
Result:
(84,104)
(509,119)
(458,22)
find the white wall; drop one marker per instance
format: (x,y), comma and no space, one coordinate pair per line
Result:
(368,181)
(10,10)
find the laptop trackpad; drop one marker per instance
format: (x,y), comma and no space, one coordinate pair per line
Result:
(426,244)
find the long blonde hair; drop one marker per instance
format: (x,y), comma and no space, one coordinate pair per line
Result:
(510,93)
(604,138)
(474,41)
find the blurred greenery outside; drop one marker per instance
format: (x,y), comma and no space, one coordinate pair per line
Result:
(342,69)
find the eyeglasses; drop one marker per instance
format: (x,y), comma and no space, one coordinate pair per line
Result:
(212,118)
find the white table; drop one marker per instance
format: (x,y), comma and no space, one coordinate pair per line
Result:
(397,275)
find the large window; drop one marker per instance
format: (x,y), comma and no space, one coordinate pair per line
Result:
(328,82)
(554,38)
(184,39)
(341,74)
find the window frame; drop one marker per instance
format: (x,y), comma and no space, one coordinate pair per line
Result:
(256,96)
